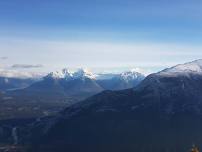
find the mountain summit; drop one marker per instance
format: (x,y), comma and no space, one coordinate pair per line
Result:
(131,75)
(67,74)
(84,73)
(125,80)
(64,74)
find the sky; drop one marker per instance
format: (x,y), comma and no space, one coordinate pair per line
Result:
(46,35)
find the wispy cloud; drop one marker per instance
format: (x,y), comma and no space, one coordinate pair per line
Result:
(26,66)
(3,58)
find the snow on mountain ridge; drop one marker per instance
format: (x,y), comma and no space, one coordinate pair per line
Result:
(154,81)
(131,75)
(65,73)
(56,75)
(84,73)
(187,68)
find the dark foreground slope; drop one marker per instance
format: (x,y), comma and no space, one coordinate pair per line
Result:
(162,114)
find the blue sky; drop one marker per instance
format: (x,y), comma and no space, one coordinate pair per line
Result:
(99,33)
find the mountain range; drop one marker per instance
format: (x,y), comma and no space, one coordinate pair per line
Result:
(80,84)
(122,81)
(57,90)
(162,114)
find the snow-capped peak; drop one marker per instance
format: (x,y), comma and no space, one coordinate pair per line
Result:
(65,73)
(84,73)
(131,75)
(55,75)
(190,67)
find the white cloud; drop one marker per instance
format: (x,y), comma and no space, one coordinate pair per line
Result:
(20,74)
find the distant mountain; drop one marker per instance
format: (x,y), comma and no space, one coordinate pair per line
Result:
(82,83)
(57,90)
(122,81)
(64,74)
(79,84)
(11,80)
(7,83)
(162,114)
